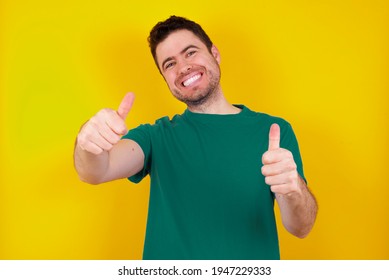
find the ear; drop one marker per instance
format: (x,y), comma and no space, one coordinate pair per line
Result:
(215,53)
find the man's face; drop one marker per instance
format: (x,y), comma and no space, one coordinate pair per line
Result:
(191,72)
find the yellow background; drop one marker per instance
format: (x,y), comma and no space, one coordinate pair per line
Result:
(322,65)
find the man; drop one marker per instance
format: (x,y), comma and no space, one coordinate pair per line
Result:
(215,169)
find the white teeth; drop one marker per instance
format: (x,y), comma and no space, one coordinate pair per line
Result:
(191,80)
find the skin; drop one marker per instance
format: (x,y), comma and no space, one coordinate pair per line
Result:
(192,74)
(297,204)
(182,56)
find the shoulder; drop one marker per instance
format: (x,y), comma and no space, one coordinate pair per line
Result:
(159,125)
(166,120)
(166,123)
(266,119)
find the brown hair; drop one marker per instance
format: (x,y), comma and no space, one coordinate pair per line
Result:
(164,28)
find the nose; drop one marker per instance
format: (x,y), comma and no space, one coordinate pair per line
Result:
(185,67)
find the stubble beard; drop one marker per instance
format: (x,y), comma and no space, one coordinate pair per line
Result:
(201,96)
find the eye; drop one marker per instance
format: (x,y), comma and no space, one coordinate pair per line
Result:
(169,65)
(190,53)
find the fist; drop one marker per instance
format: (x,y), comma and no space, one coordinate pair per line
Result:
(105,128)
(279,167)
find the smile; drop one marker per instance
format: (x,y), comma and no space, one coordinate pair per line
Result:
(191,80)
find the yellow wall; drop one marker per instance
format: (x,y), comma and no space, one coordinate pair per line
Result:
(322,65)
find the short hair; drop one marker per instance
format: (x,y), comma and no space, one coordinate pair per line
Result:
(164,28)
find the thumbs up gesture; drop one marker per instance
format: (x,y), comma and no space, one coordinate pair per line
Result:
(279,167)
(105,128)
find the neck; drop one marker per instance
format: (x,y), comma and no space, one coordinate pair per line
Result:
(216,104)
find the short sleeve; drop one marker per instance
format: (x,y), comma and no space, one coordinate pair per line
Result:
(142,136)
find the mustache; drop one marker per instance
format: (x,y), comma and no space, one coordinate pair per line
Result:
(188,72)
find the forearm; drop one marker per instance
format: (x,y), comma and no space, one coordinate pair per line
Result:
(99,153)
(298,210)
(91,168)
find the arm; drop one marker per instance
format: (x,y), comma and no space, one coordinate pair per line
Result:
(125,159)
(99,154)
(297,204)
(298,209)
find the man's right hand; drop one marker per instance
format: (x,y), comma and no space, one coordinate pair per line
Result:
(105,128)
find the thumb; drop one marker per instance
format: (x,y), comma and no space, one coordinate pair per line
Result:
(126,105)
(274,137)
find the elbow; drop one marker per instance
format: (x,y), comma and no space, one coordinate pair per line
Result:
(301,232)
(301,227)
(91,180)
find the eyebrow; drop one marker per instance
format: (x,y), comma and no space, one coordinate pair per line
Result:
(183,51)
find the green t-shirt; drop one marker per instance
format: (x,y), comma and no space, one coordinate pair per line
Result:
(208,197)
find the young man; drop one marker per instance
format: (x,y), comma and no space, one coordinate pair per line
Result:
(215,169)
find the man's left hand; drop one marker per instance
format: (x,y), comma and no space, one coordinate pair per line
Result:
(279,167)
